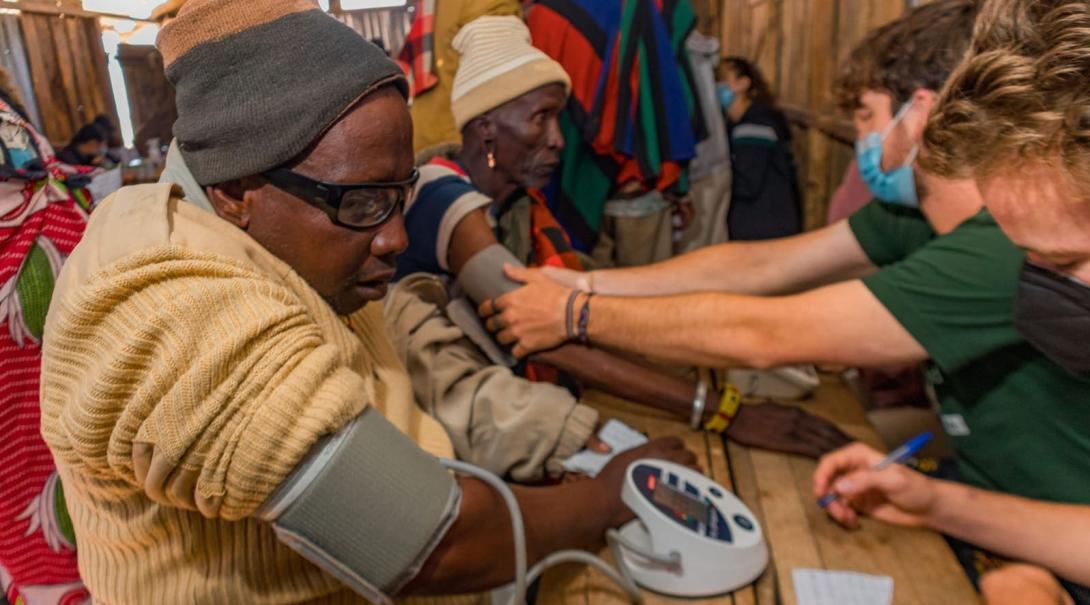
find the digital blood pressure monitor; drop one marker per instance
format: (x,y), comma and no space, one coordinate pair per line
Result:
(718,542)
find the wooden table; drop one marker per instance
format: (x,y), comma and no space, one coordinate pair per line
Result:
(777,488)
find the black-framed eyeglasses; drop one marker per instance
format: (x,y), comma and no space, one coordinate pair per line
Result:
(357,205)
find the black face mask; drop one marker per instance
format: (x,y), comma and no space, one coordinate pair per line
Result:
(1052,312)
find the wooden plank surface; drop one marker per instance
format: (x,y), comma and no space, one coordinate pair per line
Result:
(799,534)
(777,488)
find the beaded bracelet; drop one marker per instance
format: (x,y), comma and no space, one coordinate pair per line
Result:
(728,409)
(570,313)
(584,319)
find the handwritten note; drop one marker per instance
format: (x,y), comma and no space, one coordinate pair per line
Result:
(618,436)
(820,587)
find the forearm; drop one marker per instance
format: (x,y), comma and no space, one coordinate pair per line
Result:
(476,553)
(725,330)
(1051,535)
(624,378)
(697,329)
(777,266)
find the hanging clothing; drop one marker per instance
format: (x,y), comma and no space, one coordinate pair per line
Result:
(42,218)
(417,57)
(710,170)
(765,201)
(630,92)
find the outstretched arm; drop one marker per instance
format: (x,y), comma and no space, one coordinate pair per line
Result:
(842,324)
(780,266)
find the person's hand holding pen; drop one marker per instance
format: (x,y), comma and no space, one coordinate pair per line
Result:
(859,479)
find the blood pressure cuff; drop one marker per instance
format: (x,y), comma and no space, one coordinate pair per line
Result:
(483,278)
(367,505)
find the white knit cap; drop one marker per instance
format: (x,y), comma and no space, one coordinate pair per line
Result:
(498,64)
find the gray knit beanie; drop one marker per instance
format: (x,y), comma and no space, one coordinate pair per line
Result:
(258,81)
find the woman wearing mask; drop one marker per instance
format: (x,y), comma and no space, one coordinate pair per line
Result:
(765,201)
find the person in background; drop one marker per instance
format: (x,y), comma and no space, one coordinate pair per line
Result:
(765,200)
(43,214)
(1016,117)
(87,147)
(116,152)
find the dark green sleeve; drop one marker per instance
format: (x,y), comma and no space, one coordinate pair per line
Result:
(956,294)
(889,233)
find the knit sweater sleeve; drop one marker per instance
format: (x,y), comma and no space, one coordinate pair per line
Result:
(191,378)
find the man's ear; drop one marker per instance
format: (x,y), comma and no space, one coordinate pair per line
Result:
(231,201)
(485,129)
(923,101)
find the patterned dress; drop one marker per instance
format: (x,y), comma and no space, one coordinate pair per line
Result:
(43,213)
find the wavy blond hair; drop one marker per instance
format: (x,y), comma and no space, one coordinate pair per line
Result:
(1021,96)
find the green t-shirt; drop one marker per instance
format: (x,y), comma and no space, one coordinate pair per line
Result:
(1020,423)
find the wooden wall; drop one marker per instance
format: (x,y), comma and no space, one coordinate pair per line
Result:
(151,96)
(68,68)
(799,46)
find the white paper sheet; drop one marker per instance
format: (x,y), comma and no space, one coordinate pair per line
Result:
(820,587)
(104,184)
(618,436)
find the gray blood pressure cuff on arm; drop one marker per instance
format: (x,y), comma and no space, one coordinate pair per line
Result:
(367,505)
(482,278)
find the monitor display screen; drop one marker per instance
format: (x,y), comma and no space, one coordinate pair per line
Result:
(680,502)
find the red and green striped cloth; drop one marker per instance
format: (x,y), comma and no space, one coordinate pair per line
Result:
(41,221)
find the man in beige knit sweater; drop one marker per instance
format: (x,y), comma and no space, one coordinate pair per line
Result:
(228,418)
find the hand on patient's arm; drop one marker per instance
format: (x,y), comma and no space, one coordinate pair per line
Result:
(1022,584)
(476,553)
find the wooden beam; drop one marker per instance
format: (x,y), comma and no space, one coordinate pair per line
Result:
(837,128)
(50,8)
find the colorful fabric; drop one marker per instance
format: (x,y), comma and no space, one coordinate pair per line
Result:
(417,57)
(632,88)
(41,220)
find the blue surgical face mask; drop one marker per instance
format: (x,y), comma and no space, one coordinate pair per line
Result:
(897,186)
(726,96)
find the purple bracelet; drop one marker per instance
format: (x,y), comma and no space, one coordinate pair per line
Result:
(584,319)
(570,313)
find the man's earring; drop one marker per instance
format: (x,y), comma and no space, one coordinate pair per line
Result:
(491,159)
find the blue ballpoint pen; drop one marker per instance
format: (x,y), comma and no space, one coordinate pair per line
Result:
(897,456)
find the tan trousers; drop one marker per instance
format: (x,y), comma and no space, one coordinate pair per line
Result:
(711,200)
(630,242)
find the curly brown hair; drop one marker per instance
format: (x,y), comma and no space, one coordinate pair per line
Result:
(1022,95)
(918,50)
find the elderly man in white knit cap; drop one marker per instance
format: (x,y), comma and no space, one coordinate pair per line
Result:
(477,208)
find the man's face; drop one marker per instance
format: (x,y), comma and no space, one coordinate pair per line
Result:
(1042,210)
(875,113)
(528,141)
(348,267)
